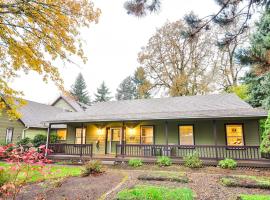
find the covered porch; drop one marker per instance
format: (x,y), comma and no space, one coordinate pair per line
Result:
(212,139)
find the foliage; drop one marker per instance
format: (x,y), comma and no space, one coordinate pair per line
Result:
(193,161)
(103,93)
(135,162)
(24,142)
(79,90)
(227,164)
(186,67)
(258,89)
(4,176)
(240,90)
(258,53)
(33,35)
(164,176)
(265,144)
(92,167)
(143,85)
(164,161)
(148,192)
(126,89)
(24,161)
(253,197)
(41,139)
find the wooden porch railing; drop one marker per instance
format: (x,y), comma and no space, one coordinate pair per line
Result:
(180,151)
(72,149)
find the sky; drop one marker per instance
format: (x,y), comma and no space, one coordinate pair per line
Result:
(111,47)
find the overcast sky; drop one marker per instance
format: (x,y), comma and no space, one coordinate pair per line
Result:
(111,46)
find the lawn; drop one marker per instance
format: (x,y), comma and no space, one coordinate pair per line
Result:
(149,192)
(254,197)
(48,172)
(246,181)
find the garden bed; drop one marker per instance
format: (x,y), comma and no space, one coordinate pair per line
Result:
(150,192)
(246,181)
(164,176)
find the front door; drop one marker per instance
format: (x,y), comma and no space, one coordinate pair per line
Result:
(113,138)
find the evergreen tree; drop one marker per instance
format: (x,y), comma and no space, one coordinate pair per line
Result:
(79,90)
(258,89)
(126,89)
(103,93)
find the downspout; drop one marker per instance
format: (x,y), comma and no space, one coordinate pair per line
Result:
(23,133)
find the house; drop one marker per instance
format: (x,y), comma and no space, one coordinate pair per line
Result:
(216,126)
(32,121)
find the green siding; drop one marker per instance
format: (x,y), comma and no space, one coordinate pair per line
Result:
(32,132)
(203,132)
(64,105)
(5,123)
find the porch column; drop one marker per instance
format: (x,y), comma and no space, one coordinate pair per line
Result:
(48,140)
(81,140)
(122,138)
(166,138)
(215,137)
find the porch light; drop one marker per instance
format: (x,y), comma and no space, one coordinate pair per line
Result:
(132,131)
(99,131)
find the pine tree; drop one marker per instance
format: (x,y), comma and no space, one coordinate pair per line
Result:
(79,90)
(103,93)
(126,89)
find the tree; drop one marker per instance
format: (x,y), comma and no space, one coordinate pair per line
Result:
(241,91)
(258,88)
(126,89)
(258,54)
(79,90)
(265,144)
(103,93)
(142,84)
(177,64)
(35,33)
(230,10)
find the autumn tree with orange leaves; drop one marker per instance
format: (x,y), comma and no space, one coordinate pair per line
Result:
(34,33)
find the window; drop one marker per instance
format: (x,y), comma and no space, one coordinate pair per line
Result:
(9,135)
(234,133)
(79,139)
(186,135)
(62,134)
(147,134)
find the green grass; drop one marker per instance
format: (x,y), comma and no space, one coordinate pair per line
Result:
(254,197)
(148,192)
(246,181)
(164,176)
(48,172)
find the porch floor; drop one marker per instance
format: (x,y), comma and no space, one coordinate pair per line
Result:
(263,163)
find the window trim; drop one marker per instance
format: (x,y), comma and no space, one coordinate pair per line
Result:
(11,135)
(193,127)
(84,135)
(243,134)
(153,126)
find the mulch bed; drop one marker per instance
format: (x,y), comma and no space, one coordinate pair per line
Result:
(79,188)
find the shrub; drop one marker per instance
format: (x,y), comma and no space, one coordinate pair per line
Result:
(135,162)
(227,164)
(41,139)
(164,161)
(148,192)
(193,161)
(25,142)
(265,144)
(92,167)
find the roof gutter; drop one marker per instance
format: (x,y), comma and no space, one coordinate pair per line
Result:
(23,133)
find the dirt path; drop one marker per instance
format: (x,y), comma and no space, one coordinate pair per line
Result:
(206,186)
(78,188)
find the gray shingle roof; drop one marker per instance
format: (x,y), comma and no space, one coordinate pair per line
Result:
(35,114)
(77,106)
(203,106)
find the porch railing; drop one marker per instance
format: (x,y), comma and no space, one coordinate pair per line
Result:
(72,149)
(179,151)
